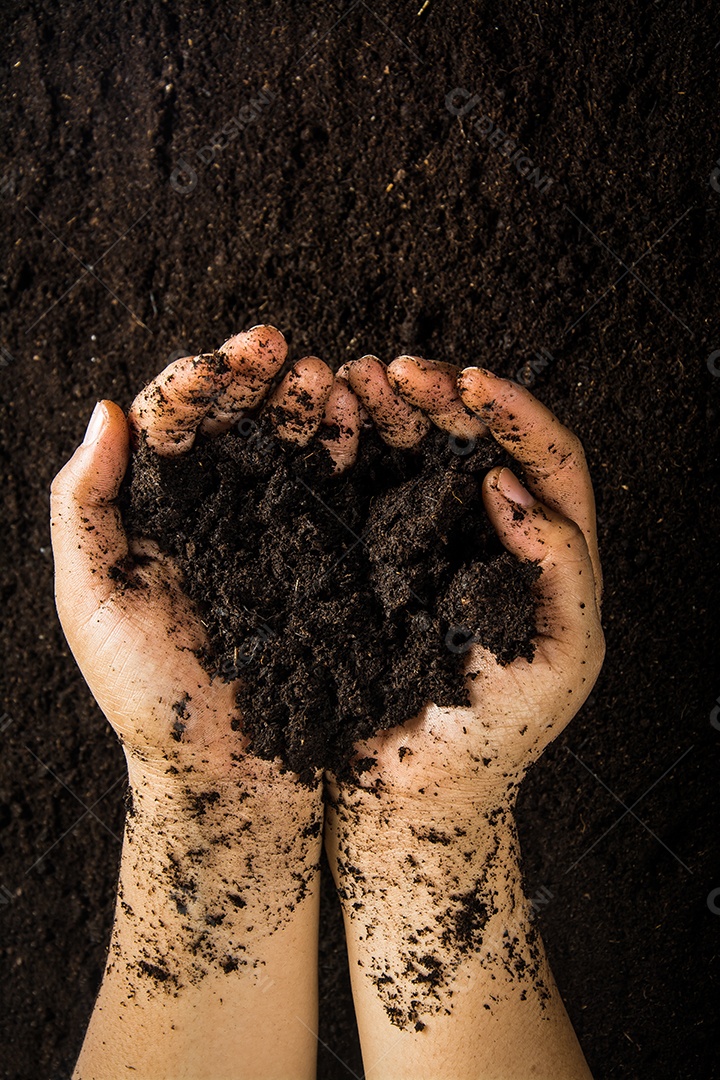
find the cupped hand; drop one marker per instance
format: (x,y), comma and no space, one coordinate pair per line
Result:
(130,626)
(483,750)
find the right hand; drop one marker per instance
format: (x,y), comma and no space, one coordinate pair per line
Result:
(134,632)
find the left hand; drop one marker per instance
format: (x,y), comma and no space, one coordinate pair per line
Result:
(483,750)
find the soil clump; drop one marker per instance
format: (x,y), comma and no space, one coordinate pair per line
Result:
(341,604)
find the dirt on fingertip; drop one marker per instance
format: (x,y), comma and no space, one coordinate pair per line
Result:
(341,605)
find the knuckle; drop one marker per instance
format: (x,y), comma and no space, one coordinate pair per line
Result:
(569,533)
(60,483)
(599,653)
(576,447)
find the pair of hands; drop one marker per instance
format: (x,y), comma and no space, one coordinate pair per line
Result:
(136,646)
(212,964)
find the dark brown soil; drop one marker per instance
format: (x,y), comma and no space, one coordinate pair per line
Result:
(342,604)
(358,214)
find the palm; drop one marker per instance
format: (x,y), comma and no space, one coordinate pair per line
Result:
(487,744)
(137,652)
(136,641)
(516,710)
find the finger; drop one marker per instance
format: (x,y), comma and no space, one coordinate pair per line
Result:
(297,405)
(169,411)
(568,621)
(552,456)
(343,372)
(340,427)
(255,358)
(88,538)
(399,423)
(432,386)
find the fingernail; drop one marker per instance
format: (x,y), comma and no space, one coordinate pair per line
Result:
(342,371)
(482,370)
(513,490)
(96,424)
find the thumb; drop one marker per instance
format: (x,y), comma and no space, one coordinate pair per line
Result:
(87,533)
(567,618)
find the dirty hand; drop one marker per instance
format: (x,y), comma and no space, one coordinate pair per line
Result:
(517,709)
(449,974)
(216,922)
(130,626)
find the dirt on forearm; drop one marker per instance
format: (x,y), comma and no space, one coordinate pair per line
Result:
(439,900)
(341,604)
(206,878)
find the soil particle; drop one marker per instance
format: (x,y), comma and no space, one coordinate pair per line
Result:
(433,836)
(182,713)
(201,801)
(159,974)
(471,918)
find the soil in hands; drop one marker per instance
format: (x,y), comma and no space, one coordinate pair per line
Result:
(341,604)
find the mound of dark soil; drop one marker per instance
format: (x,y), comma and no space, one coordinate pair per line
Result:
(342,604)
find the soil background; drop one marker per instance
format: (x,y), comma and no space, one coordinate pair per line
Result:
(350,208)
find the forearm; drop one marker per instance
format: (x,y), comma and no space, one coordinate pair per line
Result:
(450,978)
(212,969)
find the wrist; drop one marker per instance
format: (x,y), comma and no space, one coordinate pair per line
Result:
(257,827)
(382,815)
(429,903)
(248,786)
(210,871)
(449,847)
(434,906)
(466,778)
(215,927)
